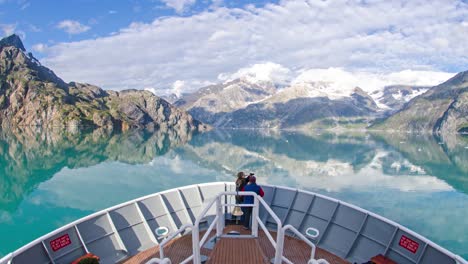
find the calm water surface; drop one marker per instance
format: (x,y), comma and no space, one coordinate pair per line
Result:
(50,178)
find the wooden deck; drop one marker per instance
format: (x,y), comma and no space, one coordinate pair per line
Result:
(236,250)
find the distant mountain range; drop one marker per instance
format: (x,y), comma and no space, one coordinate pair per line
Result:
(32,95)
(242,103)
(442,109)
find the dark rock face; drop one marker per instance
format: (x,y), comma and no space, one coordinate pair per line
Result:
(443,109)
(32,95)
(14,41)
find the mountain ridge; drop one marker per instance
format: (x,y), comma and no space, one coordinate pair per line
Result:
(442,109)
(32,95)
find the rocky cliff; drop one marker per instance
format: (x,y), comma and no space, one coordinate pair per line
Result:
(32,95)
(442,109)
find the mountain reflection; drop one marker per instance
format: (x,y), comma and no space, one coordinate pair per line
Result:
(335,162)
(318,160)
(49,178)
(29,157)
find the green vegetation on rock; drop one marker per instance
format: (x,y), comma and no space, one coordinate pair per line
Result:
(32,95)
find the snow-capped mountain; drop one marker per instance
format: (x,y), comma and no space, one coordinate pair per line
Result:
(268,96)
(225,97)
(394,97)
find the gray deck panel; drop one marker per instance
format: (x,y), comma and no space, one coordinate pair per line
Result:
(283,198)
(180,218)
(94,228)
(337,238)
(378,230)
(348,217)
(136,239)
(108,249)
(71,256)
(192,202)
(173,201)
(164,220)
(312,221)
(396,247)
(364,249)
(323,208)
(209,192)
(75,243)
(152,207)
(302,202)
(125,216)
(294,218)
(191,196)
(433,256)
(398,258)
(279,211)
(37,253)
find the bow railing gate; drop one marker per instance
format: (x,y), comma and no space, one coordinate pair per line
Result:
(219,223)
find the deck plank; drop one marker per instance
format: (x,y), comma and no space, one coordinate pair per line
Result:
(236,250)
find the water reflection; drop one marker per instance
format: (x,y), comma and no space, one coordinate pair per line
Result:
(29,157)
(49,178)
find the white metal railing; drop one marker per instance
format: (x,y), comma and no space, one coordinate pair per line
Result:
(170,237)
(219,222)
(279,245)
(312,259)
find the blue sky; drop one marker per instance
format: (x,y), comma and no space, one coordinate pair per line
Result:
(36,21)
(173,46)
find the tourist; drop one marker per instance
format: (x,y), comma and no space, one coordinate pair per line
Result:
(240,183)
(250,187)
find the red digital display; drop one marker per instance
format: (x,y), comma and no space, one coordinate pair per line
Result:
(409,244)
(60,242)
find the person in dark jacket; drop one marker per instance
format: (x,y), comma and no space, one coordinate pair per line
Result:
(240,184)
(250,187)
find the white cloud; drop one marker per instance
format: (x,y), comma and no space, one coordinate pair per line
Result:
(8,29)
(261,72)
(378,36)
(40,47)
(346,81)
(178,87)
(179,5)
(72,27)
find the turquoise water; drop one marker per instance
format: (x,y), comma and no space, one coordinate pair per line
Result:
(50,178)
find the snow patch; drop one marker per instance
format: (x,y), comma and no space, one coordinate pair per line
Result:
(260,73)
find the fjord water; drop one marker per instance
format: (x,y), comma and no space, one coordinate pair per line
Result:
(50,178)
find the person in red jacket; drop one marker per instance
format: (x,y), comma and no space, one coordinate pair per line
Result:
(250,187)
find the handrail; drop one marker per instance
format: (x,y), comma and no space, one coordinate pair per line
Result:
(265,230)
(207,233)
(7,259)
(170,237)
(301,236)
(279,245)
(219,220)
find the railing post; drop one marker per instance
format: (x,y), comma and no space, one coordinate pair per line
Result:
(219,214)
(195,244)
(255,212)
(279,246)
